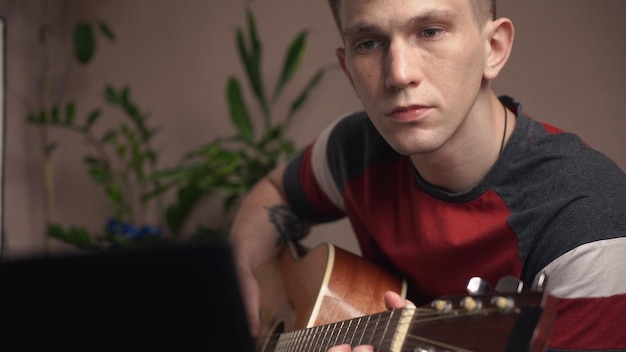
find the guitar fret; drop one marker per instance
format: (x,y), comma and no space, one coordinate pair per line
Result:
(377,329)
(294,341)
(328,337)
(297,340)
(322,339)
(386,329)
(349,335)
(314,338)
(336,336)
(339,333)
(316,335)
(301,338)
(307,340)
(374,330)
(285,342)
(363,330)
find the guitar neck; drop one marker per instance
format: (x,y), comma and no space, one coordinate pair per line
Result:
(378,330)
(469,323)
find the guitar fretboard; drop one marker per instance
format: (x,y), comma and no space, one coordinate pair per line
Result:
(378,330)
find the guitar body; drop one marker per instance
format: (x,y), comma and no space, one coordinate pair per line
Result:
(330,296)
(326,285)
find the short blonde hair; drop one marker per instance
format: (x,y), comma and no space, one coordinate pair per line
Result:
(483,10)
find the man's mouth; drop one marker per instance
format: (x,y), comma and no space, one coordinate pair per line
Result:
(408,113)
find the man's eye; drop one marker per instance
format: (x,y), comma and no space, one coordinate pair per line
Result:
(368,45)
(430,32)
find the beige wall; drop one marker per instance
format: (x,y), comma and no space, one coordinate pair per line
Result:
(567,69)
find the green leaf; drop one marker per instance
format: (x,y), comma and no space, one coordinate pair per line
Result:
(111,95)
(129,134)
(84,42)
(252,63)
(287,147)
(121,151)
(70,113)
(254,39)
(238,111)
(138,159)
(106,31)
(79,237)
(177,213)
(180,172)
(99,174)
(156,191)
(32,118)
(125,96)
(255,58)
(247,61)
(93,117)
(297,103)
(114,193)
(110,136)
(292,60)
(43,117)
(92,160)
(54,114)
(205,151)
(151,156)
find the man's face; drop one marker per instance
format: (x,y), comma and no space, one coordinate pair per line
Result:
(416,65)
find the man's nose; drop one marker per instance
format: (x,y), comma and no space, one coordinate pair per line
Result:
(402,70)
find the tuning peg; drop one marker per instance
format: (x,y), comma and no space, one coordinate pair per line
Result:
(441,305)
(540,282)
(478,286)
(504,304)
(509,284)
(471,304)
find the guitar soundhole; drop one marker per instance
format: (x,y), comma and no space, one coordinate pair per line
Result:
(272,340)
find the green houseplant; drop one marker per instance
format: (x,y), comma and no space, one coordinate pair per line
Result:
(230,166)
(123,162)
(120,158)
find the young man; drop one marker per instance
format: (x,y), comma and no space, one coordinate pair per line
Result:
(442,180)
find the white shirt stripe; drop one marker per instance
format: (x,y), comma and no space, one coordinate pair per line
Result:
(595,269)
(321,169)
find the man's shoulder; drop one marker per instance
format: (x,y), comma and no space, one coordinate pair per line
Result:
(542,146)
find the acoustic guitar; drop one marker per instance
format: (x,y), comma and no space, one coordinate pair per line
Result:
(330,297)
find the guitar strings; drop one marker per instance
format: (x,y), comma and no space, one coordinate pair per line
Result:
(417,341)
(305,337)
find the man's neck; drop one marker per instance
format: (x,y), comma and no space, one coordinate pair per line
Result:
(462,162)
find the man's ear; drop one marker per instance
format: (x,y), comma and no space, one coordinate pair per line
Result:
(501,34)
(341,57)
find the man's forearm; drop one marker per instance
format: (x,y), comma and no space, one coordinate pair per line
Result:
(263,223)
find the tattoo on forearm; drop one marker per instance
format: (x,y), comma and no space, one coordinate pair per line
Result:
(287,223)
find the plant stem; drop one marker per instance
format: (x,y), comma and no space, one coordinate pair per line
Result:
(47,86)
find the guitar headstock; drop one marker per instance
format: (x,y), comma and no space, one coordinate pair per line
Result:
(505,319)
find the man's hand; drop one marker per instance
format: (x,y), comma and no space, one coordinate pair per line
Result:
(392,301)
(251,295)
(346,348)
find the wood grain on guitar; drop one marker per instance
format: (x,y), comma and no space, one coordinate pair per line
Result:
(330,297)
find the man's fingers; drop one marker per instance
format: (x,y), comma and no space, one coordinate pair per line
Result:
(346,348)
(394,300)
